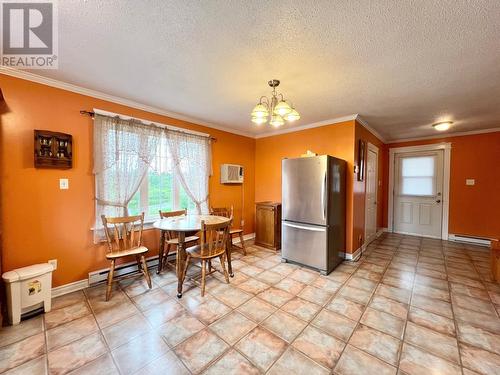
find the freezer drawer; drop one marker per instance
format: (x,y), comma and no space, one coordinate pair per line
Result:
(305,244)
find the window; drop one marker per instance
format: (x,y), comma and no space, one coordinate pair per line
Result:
(142,167)
(418,176)
(160,189)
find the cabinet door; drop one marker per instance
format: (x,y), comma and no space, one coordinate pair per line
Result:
(265,231)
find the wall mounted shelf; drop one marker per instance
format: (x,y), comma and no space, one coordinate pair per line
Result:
(53,150)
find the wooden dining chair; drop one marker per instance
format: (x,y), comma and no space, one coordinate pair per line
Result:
(170,240)
(124,237)
(213,243)
(228,212)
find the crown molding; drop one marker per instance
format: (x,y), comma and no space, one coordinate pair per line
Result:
(363,122)
(307,126)
(113,99)
(445,135)
(143,107)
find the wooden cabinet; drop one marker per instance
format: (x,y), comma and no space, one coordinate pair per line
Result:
(53,150)
(268,225)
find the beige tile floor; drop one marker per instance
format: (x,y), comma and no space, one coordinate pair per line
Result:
(409,306)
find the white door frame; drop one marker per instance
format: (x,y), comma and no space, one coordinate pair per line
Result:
(446,181)
(373,148)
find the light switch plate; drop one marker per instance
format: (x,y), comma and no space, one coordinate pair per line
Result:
(63,184)
(54,263)
(470,182)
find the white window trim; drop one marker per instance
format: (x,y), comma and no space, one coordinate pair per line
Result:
(446,182)
(144,196)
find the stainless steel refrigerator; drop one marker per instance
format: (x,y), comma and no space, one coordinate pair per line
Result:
(313,211)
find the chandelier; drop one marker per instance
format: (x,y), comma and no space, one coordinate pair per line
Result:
(276,107)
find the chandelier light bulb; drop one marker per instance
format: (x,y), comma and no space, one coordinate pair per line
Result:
(273,108)
(260,110)
(259,120)
(292,116)
(282,108)
(276,120)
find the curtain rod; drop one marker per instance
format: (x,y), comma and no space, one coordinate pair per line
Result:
(92,115)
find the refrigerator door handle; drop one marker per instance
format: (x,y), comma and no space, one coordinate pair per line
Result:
(314,229)
(323,197)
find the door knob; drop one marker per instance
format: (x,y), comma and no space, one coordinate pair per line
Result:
(438,201)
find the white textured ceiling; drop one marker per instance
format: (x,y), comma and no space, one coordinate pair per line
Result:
(400,64)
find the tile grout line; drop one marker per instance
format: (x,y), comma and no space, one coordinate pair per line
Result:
(400,353)
(309,323)
(444,250)
(456,325)
(445,253)
(44,330)
(367,306)
(359,320)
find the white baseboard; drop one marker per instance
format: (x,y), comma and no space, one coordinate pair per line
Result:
(480,241)
(69,288)
(354,256)
(246,237)
(123,269)
(130,267)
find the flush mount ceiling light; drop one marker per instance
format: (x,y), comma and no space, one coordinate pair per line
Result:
(442,126)
(276,106)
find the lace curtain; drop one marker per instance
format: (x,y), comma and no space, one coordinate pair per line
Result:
(123,150)
(191,154)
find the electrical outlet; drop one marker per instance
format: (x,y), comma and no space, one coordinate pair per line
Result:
(63,184)
(54,263)
(470,182)
(242,222)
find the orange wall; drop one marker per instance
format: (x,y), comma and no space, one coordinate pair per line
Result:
(335,140)
(359,190)
(474,210)
(41,222)
(339,140)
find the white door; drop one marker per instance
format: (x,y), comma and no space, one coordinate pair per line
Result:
(371,195)
(418,187)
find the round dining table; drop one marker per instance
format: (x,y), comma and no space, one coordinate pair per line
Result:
(182,225)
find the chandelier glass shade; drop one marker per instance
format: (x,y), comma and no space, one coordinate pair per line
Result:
(274,109)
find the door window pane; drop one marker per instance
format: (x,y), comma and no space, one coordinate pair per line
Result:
(418,176)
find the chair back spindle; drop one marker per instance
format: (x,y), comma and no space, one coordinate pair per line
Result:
(123,232)
(124,238)
(214,238)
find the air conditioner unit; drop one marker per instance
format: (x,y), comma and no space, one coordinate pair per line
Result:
(231,174)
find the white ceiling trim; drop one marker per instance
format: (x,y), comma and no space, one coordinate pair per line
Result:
(129,103)
(111,98)
(363,122)
(308,126)
(446,135)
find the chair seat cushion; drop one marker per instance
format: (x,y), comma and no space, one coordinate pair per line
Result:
(195,252)
(175,241)
(123,253)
